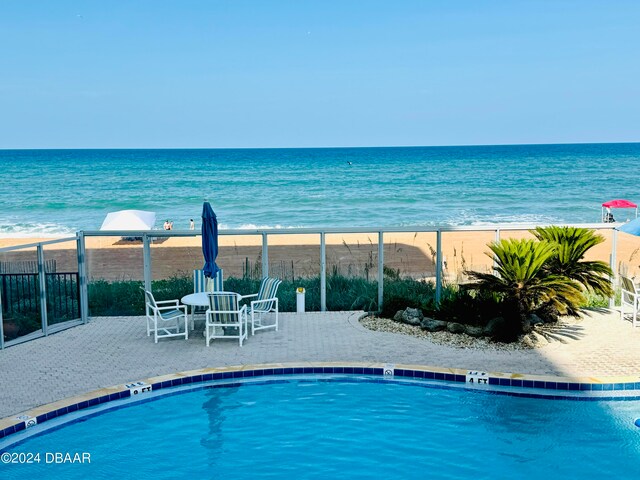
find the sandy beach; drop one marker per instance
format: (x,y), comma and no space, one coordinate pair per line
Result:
(298,255)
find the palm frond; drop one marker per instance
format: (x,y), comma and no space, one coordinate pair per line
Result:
(571,245)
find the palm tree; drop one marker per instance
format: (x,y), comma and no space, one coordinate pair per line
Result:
(523,282)
(571,245)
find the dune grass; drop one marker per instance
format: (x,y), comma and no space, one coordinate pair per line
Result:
(343,293)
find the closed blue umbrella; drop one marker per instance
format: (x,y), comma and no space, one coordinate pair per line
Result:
(209,240)
(632,227)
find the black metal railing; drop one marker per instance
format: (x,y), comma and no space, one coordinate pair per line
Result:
(20,304)
(21,301)
(63,297)
(20,293)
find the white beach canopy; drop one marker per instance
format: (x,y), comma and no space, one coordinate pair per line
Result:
(129,220)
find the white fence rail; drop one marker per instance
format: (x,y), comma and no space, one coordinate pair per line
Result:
(148,235)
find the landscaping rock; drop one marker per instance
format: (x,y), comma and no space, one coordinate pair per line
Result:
(433,325)
(412,316)
(440,338)
(474,331)
(535,320)
(398,316)
(529,341)
(11,329)
(455,327)
(494,325)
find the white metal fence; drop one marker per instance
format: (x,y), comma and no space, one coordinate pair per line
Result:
(147,237)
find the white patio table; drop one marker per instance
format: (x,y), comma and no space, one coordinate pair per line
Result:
(195,300)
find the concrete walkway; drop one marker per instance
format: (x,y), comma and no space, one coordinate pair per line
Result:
(115,350)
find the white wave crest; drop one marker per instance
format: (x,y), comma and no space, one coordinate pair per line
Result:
(40,230)
(252,226)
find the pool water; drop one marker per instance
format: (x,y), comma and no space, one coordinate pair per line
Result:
(335,428)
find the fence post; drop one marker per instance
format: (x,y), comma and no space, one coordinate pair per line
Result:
(323,273)
(438,266)
(1,324)
(3,293)
(82,279)
(42,280)
(497,240)
(146,255)
(613,261)
(380,270)
(265,255)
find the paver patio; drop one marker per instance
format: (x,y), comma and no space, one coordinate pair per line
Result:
(115,350)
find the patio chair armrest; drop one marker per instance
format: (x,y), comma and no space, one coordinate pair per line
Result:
(266,300)
(173,302)
(173,307)
(242,297)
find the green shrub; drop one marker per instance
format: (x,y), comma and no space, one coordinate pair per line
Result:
(548,277)
(122,297)
(596,301)
(402,293)
(286,291)
(471,308)
(19,324)
(171,288)
(343,293)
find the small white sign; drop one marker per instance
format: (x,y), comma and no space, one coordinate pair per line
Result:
(477,378)
(28,421)
(138,388)
(389,369)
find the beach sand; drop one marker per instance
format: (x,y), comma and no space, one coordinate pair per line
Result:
(298,255)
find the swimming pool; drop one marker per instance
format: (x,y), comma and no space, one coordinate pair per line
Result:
(341,427)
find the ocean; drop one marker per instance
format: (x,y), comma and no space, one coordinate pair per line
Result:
(57,192)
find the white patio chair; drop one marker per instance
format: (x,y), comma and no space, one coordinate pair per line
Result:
(203,284)
(265,302)
(630,296)
(225,318)
(164,318)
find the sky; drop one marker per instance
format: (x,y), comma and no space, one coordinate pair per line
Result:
(251,74)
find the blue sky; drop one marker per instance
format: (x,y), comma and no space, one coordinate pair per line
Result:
(180,74)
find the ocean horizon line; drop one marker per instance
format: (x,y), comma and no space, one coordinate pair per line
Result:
(465,145)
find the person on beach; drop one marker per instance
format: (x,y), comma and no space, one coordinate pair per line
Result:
(192,225)
(608,217)
(168,225)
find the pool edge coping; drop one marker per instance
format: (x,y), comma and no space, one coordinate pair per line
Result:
(21,421)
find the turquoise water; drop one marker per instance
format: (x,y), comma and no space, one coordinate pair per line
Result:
(345,430)
(60,191)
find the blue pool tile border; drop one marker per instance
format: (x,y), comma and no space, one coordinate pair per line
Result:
(354,370)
